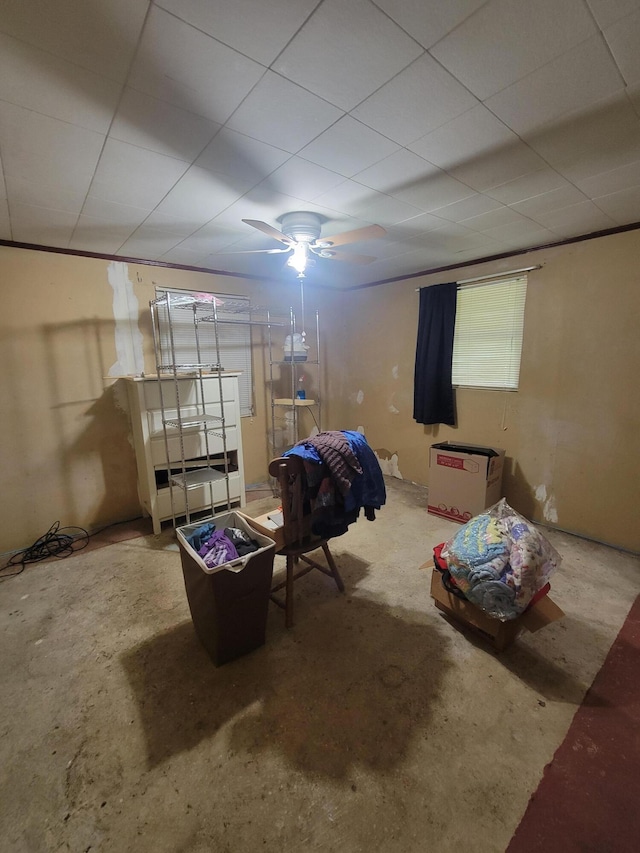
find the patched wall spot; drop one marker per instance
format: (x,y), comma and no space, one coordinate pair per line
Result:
(388,463)
(128,337)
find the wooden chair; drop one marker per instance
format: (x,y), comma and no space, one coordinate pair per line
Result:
(298,538)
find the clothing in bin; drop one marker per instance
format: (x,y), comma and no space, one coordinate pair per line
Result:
(228,581)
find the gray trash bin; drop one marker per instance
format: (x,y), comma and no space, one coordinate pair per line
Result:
(228,603)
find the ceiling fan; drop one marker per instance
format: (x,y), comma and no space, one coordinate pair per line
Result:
(301,236)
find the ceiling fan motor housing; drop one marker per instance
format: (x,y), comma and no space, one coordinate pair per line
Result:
(301,226)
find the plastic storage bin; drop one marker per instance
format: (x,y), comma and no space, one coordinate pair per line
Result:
(228,603)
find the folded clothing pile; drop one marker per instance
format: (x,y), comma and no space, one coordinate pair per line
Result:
(221,546)
(499,561)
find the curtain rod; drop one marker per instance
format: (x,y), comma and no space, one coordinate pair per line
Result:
(493,275)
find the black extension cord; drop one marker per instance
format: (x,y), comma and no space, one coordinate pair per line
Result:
(54,543)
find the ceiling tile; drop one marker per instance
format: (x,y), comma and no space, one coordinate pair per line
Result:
(538,32)
(454,237)
(99,235)
(149,123)
(240,156)
(436,190)
(42,149)
(47,84)
(40,225)
(347,197)
(98,36)
(131,175)
(348,147)
(429,20)
(339,224)
(168,225)
(282,114)
(108,211)
(612,181)
(214,238)
(523,233)
(581,218)
(492,219)
(259,203)
(468,207)
(199,196)
(416,226)
(592,141)
(257,29)
(390,248)
(395,171)
(462,139)
(539,206)
(22,191)
(607,12)
(496,167)
(188,68)
(301,179)
(580,77)
(419,99)
(367,205)
(346,51)
(385,210)
(527,186)
(147,243)
(174,182)
(621,206)
(623,39)
(184,257)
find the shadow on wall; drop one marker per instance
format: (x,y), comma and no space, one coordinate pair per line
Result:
(88,422)
(326,712)
(108,433)
(519,493)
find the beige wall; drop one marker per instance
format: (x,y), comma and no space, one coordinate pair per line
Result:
(570,431)
(65,432)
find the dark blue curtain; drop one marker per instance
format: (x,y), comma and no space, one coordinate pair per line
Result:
(433,392)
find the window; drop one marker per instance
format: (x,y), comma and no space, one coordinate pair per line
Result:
(234,338)
(487,340)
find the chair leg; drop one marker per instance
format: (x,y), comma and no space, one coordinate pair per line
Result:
(289,593)
(333,567)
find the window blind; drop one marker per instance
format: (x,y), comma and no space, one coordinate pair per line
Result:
(234,337)
(488,334)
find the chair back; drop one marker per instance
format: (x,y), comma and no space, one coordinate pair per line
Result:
(289,472)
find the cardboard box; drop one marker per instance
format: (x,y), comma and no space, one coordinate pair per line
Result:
(271,524)
(464,479)
(500,634)
(267,527)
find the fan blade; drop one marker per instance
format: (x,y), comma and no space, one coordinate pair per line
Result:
(269,231)
(333,255)
(256,252)
(370,232)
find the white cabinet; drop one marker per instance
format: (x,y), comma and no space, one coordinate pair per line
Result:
(188,444)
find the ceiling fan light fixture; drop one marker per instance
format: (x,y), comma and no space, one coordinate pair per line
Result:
(299,258)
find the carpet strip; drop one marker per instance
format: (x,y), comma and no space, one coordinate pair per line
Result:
(588,800)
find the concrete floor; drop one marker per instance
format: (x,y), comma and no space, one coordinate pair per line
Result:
(373,725)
